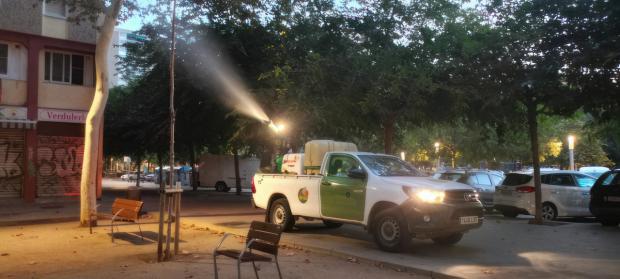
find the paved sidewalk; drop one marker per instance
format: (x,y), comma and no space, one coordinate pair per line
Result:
(502,248)
(63,250)
(200,203)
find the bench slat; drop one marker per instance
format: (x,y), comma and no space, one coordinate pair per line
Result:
(130,209)
(265,236)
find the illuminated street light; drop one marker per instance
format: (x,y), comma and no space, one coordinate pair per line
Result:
(402,155)
(571,153)
(278,128)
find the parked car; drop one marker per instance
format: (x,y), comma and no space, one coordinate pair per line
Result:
(484,181)
(128,177)
(605,198)
(132,176)
(594,171)
(149,177)
(450,175)
(564,193)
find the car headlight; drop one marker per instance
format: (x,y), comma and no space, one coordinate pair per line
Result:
(424,195)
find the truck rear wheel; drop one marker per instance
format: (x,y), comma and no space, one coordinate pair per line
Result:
(280,214)
(448,240)
(390,231)
(221,187)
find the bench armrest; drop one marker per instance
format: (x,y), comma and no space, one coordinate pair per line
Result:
(116,214)
(247,247)
(226,235)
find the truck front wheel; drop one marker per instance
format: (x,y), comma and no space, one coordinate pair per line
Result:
(448,240)
(390,231)
(280,214)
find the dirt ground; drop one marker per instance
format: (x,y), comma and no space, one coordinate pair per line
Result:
(64,250)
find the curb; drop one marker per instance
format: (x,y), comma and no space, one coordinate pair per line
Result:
(38,221)
(331,252)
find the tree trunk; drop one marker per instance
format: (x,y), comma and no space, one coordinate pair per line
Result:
(192,159)
(162,204)
(88,191)
(388,133)
(237,176)
(138,172)
(532,122)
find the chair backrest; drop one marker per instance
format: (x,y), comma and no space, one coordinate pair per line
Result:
(267,237)
(131,208)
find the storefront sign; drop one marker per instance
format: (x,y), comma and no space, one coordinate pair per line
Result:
(67,116)
(13,113)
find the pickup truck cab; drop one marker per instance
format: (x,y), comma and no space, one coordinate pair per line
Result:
(382,193)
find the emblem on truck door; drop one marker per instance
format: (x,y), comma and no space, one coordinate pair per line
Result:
(303,195)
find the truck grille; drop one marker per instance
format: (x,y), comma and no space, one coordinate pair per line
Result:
(460,196)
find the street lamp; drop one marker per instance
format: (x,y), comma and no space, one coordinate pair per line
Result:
(437,144)
(571,153)
(278,128)
(402,155)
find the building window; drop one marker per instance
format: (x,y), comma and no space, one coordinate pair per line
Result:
(4,59)
(64,68)
(55,8)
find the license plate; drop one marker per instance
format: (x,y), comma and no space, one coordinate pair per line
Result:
(467,220)
(613,199)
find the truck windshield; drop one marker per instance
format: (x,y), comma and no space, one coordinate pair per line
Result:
(388,166)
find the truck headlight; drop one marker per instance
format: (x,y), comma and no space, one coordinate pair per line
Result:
(428,196)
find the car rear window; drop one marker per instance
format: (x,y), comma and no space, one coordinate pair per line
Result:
(450,176)
(513,179)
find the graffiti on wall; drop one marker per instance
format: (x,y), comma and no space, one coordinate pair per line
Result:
(11,161)
(59,165)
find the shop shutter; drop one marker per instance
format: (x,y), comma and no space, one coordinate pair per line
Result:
(59,161)
(12,154)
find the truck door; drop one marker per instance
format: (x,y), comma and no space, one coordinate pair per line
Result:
(342,197)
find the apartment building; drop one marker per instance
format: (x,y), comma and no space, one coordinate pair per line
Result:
(46,87)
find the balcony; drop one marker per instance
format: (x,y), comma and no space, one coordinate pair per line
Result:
(65,96)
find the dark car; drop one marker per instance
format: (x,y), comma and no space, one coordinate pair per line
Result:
(483,181)
(605,198)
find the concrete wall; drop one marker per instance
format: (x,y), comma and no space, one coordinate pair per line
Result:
(26,16)
(21,16)
(82,32)
(13,92)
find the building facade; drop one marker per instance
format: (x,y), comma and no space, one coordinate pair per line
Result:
(46,87)
(118,51)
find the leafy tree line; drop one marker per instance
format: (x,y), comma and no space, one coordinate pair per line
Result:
(389,75)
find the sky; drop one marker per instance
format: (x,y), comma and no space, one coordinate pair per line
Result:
(135,23)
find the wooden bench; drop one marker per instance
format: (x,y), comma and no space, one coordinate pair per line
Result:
(127,211)
(262,237)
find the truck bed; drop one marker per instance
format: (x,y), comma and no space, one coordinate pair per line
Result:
(294,188)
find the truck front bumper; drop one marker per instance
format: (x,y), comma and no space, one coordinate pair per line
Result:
(436,220)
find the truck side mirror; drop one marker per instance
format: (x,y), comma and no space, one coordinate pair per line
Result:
(356,173)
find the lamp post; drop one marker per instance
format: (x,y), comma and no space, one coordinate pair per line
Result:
(571,153)
(437,144)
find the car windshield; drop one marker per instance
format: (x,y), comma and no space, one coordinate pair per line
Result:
(388,166)
(584,180)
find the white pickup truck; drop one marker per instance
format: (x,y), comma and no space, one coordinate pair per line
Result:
(382,193)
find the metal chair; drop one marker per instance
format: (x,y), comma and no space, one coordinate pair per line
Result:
(262,237)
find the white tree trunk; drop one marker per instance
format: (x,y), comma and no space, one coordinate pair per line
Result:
(94,119)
